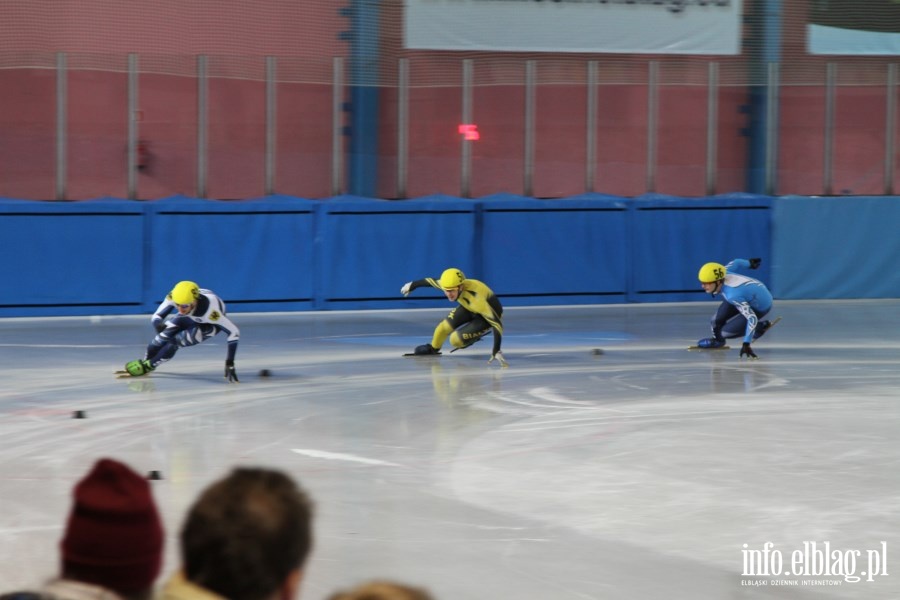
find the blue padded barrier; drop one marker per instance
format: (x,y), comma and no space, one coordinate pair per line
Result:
(112,256)
(671,238)
(565,251)
(256,254)
(370,248)
(845,247)
(62,258)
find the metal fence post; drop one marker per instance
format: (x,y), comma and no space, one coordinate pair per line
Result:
(591,127)
(466,148)
(890,127)
(337,130)
(530,79)
(132,125)
(402,126)
(652,118)
(202,124)
(828,155)
(772,129)
(271,122)
(712,127)
(61,125)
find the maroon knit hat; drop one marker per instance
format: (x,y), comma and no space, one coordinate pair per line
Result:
(114,537)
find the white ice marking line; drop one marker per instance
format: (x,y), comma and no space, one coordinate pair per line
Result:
(357,336)
(619,381)
(548,394)
(517,401)
(339,456)
(636,418)
(76,346)
(29,529)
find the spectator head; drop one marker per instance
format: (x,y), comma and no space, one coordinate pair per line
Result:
(114,536)
(248,535)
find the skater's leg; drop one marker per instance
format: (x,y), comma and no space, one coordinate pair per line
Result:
(184,332)
(197,333)
(737,327)
(441,332)
(458,317)
(160,349)
(470,332)
(763,326)
(718,323)
(725,314)
(157,355)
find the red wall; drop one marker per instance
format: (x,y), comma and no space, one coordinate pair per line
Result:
(97,36)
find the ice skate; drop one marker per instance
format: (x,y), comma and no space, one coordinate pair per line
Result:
(763,326)
(424,350)
(136,368)
(710,344)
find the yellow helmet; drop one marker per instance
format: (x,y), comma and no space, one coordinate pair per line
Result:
(185,292)
(451,279)
(711,272)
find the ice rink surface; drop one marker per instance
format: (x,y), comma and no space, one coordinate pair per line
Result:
(637,473)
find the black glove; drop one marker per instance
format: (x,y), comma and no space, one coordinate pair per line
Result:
(160,326)
(746,349)
(230,373)
(755,262)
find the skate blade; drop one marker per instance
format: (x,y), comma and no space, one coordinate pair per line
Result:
(413,354)
(711,349)
(127,375)
(772,324)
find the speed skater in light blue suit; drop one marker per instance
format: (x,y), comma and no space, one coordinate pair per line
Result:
(746,301)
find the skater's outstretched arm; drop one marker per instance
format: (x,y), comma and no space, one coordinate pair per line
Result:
(411,285)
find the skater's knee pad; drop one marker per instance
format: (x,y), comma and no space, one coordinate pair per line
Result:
(190,337)
(456,340)
(463,339)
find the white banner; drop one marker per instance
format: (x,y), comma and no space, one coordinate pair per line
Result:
(835,40)
(854,27)
(609,26)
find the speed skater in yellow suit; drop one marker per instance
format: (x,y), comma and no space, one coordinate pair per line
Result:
(478,313)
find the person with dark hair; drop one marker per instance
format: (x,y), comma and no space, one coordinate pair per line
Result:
(112,547)
(247,537)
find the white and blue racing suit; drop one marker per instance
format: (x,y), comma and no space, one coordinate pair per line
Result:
(746,301)
(205,321)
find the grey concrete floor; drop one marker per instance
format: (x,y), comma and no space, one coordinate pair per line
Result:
(639,472)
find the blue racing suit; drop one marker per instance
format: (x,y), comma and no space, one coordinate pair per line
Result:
(746,301)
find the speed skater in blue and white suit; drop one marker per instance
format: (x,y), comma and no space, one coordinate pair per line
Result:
(201,315)
(746,301)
